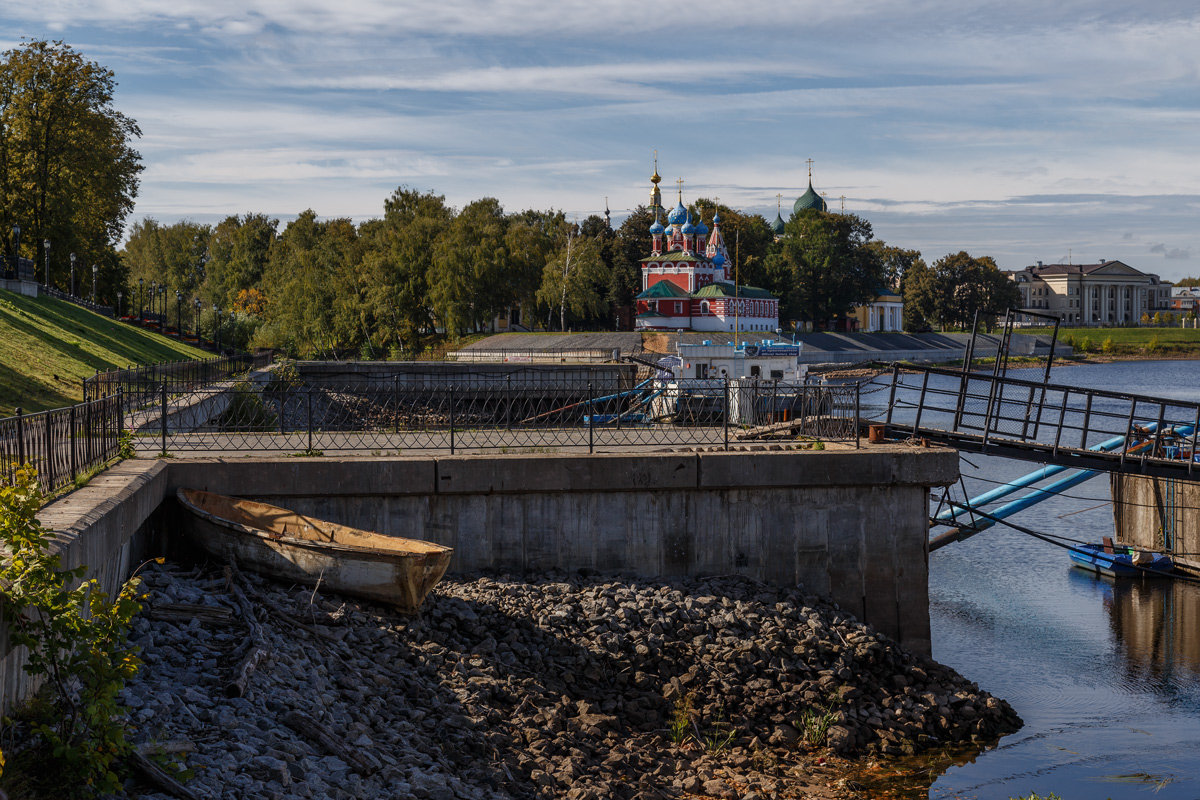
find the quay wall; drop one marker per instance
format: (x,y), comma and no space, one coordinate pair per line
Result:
(1159,514)
(849,525)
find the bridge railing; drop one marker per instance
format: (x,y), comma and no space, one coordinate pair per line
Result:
(441,411)
(989,411)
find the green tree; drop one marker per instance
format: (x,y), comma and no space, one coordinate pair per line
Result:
(239,249)
(824,266)
(957,285)
(532,239)
(573,281)
(467,285)
(173,255)
(747,236)
(1188,282)
(897,262)
(68,172)
(398,260)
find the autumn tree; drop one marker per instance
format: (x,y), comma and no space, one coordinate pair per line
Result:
(68,171)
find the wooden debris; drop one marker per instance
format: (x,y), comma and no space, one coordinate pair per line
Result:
(243,671)
(362,763)
(155,776)
(186,612)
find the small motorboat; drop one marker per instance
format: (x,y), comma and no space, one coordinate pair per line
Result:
(285,545)
(1121,560)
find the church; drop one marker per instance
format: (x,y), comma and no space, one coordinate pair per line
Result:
(687,280)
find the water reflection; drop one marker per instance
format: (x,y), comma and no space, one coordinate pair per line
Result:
(1154,623)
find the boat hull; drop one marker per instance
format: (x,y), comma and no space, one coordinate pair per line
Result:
(1118,564)
(289,547)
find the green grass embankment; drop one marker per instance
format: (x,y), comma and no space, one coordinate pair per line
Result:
(1129,343)
(47,348)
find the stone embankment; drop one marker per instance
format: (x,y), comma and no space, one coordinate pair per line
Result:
(551,686)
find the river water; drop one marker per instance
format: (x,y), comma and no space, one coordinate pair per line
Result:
(1106,674)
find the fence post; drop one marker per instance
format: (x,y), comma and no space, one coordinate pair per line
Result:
(308,395)
(162,417)
(591,418)
(452,417)
(20,439)
(48,481)
(857,414)
(725,414)
(396,403)
(71,424)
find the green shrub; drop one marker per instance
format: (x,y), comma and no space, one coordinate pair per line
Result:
(1084,345)
(1107,345)
(77,649)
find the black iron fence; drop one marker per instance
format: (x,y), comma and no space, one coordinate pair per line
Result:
(141,387)
(58,294)
(452,412)
(61,443)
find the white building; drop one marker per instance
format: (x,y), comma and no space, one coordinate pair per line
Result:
(1107,293)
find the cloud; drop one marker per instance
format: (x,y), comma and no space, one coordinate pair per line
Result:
(1173,253)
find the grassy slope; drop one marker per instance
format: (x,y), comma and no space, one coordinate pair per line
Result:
(47,347)
(1167,341)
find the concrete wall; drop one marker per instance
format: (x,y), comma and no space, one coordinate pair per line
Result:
(847,524)
(850,525)
(98,525)
(1158,514)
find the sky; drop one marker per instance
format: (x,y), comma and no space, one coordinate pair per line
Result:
(1054,131)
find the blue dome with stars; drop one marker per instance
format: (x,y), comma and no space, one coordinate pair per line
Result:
(701,228)
(678,215)
(657,227)
(719,260)
(688,228)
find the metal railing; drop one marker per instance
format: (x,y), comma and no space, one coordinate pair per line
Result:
(1044,421)
(61,443)
(58,294)
(591,356)
(141,387)
(453,412)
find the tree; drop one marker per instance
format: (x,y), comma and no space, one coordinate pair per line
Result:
(171,255)
(68,172)
(823,266)
(532,239)
(897,262)
(573,280)
(957,285)
(467,284)
(747,236)
(1188,282)
(238,251)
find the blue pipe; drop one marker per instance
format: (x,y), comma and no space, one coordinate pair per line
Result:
(1038,495)
(1027,480)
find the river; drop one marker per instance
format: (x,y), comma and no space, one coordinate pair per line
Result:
(1105,674)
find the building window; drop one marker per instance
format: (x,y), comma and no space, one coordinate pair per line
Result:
(703,306)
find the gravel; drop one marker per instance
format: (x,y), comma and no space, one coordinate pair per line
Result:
(540,686)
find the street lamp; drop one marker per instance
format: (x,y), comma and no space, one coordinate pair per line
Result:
(118,305)
(46,246)
(217,330)
(72,274)
(16,232)
(95,269)
(179,314)
(196,303)
(162,303)
(141,288)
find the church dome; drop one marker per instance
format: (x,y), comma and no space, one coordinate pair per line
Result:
(657,227)
(678,215)
(716,218)
(688,229)
(777,225)
(810,199)
(701,228)
(718,260)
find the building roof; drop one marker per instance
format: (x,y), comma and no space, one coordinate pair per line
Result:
(662,289)
(1072,269)
(727,289)
(777,225)
(677,255)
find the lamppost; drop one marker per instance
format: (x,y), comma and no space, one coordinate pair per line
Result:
(196,303)
(118,305)
(179,314)
(162,304)
(95,270)
(16,264)
(217,329)
(141,288)
(72,274)
(46,246)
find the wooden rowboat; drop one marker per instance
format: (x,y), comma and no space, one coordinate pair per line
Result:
(283,544)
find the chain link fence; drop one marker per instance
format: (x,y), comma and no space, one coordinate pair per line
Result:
(281,411)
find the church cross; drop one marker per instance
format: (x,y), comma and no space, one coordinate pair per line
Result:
(778,201)
(679,183)
(810,163)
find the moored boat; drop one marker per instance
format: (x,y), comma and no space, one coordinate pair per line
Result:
(286,545)
(1120,560)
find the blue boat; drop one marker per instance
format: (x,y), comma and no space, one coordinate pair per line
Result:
(1121,561)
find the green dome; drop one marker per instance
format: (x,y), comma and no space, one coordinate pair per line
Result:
(810,199)
(777,225)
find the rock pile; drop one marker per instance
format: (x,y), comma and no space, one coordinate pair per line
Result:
(579,686)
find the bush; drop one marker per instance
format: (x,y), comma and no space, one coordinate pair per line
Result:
(1084,345)
(1153,345)
(76,640)
(1107,346)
